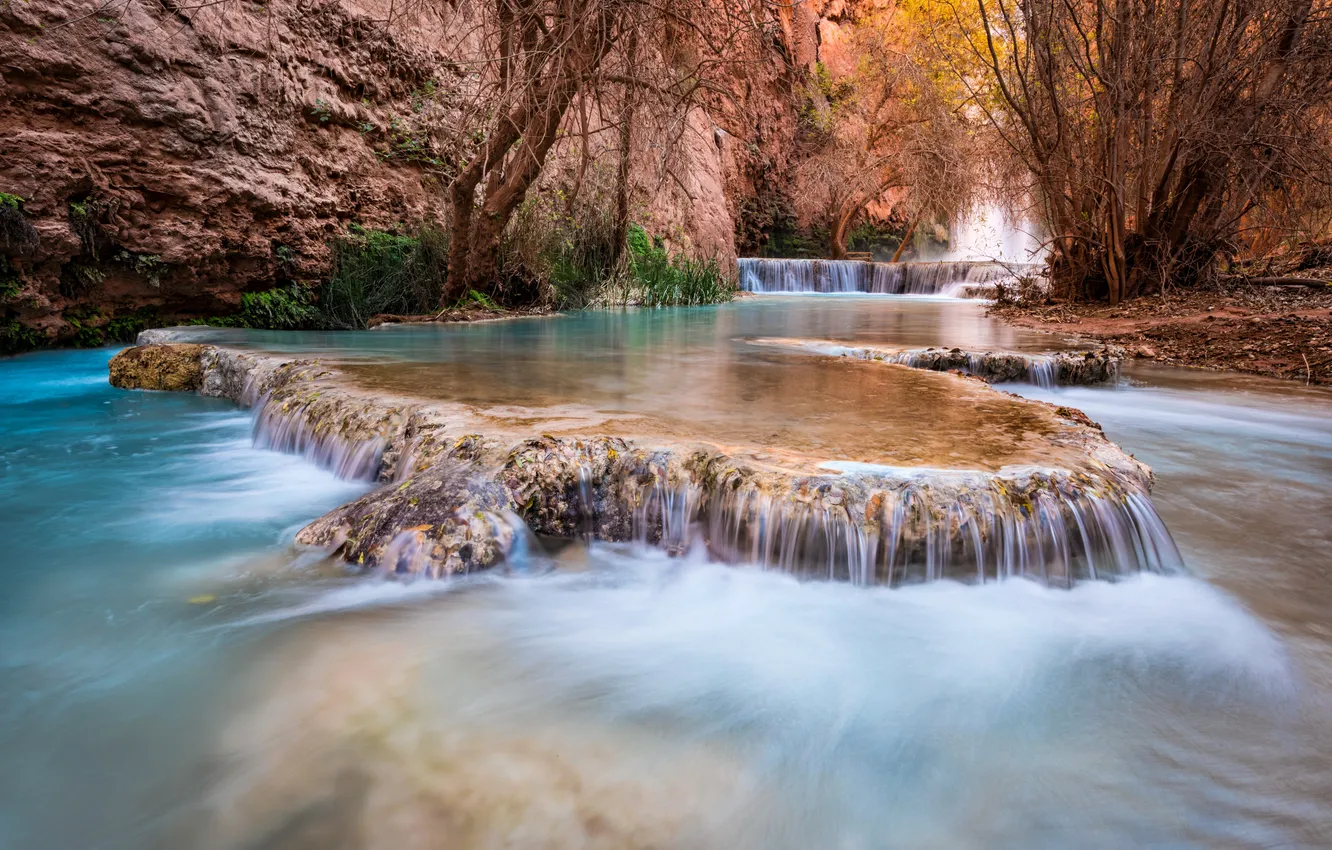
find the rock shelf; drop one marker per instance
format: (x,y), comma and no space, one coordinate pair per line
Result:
(459,481)
(1049,369)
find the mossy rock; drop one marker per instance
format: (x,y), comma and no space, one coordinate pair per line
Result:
(158,367)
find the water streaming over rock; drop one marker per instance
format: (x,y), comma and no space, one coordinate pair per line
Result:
(280,430)
(628,699)
(869,529)
(946,278)
(1043,370)
(859,523)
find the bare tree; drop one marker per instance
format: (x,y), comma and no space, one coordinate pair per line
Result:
(884,132)
(1149,129)
(536,58)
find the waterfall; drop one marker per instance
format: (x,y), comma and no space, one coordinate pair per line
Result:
(948,278)
(960,527)
(988,233)
(291,432)
(862,523)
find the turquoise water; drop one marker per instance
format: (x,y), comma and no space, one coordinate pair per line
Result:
(118,508)
(174,675)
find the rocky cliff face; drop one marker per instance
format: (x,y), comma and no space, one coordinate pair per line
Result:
(171,156)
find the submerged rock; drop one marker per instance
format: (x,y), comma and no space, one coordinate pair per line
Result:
(1049,369)
(158,367)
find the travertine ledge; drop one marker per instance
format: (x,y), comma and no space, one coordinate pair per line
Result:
(458,483)
(1087,366)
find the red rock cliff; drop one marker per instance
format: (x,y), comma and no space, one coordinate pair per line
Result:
(175,155)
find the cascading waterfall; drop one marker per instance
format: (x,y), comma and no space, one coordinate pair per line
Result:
(847,276)
(1061,533)
(863,524)
(866,528)
(278,430)
(1043,370)
(1039,369)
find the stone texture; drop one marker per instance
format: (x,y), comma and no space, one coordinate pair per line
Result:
(442,521)
(174,156)
(1094,366)
(159,367)
(459,486)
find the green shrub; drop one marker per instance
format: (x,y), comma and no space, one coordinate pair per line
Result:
(11,284)
(377,271)
(127,328)
(567,261)
(474,299)
(660,280)
(15,337)
(281,309)
(87,332)
(572,260)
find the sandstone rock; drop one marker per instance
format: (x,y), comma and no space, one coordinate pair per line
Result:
(158,367)
(172,158)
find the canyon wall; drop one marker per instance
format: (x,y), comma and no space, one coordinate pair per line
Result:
(171,156)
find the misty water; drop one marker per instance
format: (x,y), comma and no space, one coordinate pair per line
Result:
(173,674)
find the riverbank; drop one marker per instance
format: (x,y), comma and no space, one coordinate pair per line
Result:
(1277,331)
(461,314)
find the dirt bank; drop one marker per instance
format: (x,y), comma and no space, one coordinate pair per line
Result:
(1280,331)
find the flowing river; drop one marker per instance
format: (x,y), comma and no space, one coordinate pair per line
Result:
(175,674)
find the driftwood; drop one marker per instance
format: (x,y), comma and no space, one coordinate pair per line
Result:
(1278,281)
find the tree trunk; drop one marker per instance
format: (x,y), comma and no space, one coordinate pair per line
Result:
(584,126)
(897,255)
(626,151)
(513,156)
(837,232)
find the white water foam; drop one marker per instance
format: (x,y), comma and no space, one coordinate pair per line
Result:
(935,716)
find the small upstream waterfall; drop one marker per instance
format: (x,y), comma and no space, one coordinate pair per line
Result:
(947,278)
(1039,369)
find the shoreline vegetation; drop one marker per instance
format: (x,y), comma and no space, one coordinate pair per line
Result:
(380,276)
(383,276)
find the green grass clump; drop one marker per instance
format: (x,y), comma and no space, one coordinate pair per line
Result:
(661,280)
(378,271)
(583,270)
(569,257)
